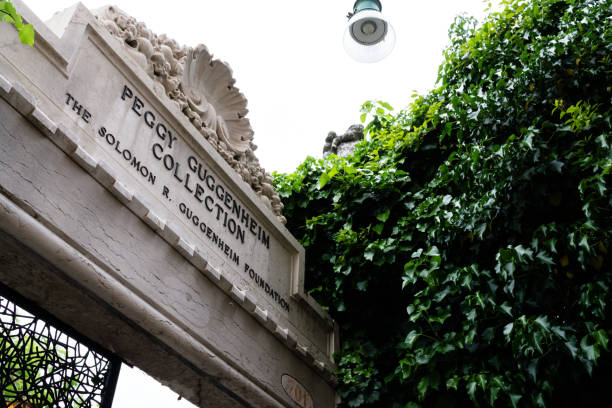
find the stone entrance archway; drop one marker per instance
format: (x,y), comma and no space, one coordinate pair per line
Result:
(101,231)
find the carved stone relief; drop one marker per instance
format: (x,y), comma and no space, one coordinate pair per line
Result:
(203,89)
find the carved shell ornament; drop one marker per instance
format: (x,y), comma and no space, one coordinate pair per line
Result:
(208,85)
(202,88)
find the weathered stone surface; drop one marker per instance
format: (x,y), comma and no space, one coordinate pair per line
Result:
(188,315)
(343,145)
(100,233)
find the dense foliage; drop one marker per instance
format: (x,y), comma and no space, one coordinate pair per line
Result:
(464,248)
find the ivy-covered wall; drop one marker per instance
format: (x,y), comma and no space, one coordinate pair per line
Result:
(464,248)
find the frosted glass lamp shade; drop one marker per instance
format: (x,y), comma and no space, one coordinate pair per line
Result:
(369,37)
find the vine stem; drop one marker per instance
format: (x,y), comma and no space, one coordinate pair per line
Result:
(8,14)
(429,337)
(431,326)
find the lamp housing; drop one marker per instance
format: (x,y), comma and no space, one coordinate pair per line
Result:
(369,36)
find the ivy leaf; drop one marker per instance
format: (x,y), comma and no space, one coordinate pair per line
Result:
(601,338)
(488,334)
(383,217)
(559,332)
(506,308)
(323,180)
(433,251)
(558,166)
(417,253)
(5,15)
(378,228)
(411,338)
(532,369)
(471,389)
(26,34)
(452,383)
(542,321)
(482,381)
(358,401)
(590,351)
(523,252)
(571,346)
(540,400)
(584,243)
(529,141)
(386,105)
(480,230)
(542,257)
(514,399)
(508,329)
(349,170)
(479,300)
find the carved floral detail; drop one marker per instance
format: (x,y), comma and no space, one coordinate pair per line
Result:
(203,89)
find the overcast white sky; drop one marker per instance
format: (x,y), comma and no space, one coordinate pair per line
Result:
(288,60)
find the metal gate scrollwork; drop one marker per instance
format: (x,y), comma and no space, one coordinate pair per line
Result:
(43,364)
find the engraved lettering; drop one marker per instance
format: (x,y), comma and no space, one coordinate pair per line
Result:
(126,92)
(137,105)
(149,119)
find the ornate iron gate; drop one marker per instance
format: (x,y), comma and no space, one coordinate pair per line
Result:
(46,364)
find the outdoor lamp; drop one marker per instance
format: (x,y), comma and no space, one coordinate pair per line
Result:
(369,37)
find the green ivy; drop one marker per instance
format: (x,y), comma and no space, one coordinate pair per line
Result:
(9,14)
(463,248)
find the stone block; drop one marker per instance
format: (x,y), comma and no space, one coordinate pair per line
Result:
(22,100)
(139,206)
(105,174)
(170,233)
(217,278)
(305,353)
(185,248)
(42,121)
(265,319)
(5,87)
(154,221)
(65,139)
(85,160)
(122,193)
(241,297)
(286,336)
(198,260)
